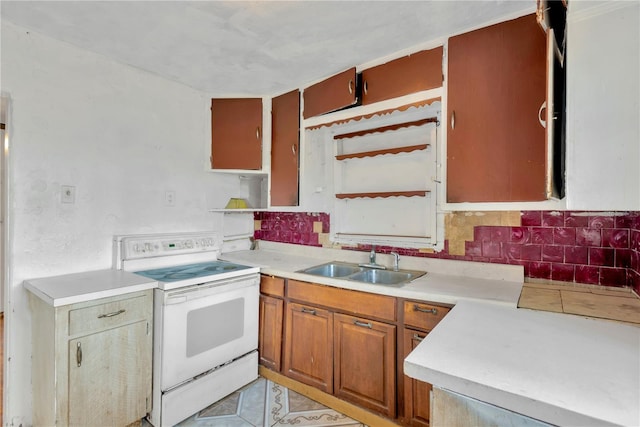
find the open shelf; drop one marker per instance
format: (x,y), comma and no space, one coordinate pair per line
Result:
(373,153)
(386,128)
(418,193)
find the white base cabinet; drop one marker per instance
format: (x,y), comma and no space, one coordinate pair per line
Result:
(92,361)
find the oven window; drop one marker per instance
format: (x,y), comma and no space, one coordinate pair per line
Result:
(212,326)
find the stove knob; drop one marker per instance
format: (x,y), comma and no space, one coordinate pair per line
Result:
(188,244)
(147,247)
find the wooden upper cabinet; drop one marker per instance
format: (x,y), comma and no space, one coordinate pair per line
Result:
(236,133)
(495,141)
(285,148)
(332,94)
(403,76)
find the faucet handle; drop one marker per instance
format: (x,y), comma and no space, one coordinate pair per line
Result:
(396,260)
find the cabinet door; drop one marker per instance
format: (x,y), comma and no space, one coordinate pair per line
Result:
(285,148)
(416,393)
(110,376)
(236,133)
(365,363)
(495,142)
(308,344)
(270,336)
(403,76)
(332,94)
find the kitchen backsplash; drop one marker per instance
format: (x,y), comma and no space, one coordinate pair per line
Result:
(583,247)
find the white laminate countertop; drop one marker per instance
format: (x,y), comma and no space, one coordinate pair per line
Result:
(80,287)
(561,369)
(446,281)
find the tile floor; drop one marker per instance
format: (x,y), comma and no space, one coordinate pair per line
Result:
(264,403)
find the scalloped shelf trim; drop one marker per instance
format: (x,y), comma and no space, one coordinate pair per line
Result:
(405,107)
(383,129)
(397,150)
(418,193)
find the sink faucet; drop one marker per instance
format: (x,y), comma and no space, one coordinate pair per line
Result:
(372,260)
(396,261)
(372,255)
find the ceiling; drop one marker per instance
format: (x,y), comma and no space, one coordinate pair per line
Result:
(252,47)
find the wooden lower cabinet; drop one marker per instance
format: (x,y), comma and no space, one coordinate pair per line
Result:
(417,406)
(419,319)
(270,332)
(92,360)
(308,346)
(364,363)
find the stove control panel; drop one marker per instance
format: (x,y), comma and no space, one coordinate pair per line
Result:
(146,246)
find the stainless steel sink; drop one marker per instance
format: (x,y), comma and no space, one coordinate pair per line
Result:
(343,270)
(333,269)
(386,277)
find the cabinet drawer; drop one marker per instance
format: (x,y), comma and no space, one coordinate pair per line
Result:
(359,303)
(271,285)
(108,315)
(423,316)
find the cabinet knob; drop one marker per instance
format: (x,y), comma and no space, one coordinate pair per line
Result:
(293,149)
(365,87)
(351,86)
(453,120)
(258,133)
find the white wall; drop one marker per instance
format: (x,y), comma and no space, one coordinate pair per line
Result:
(122,137)
(603,105)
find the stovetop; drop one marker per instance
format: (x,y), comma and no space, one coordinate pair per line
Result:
(178,276)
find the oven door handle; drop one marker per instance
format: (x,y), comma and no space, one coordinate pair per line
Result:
(175,299)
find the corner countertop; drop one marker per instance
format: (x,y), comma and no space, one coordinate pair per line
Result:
(446,281)
(557,368)
(80,287)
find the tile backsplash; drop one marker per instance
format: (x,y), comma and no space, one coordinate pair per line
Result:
(584,247)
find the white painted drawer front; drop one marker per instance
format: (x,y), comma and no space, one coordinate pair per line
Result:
(108,315)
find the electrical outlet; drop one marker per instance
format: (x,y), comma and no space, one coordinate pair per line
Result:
(169,198)
(67,194)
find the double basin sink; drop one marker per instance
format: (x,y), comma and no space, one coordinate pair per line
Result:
(355,272)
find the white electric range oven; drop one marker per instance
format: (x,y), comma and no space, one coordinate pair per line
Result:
(205,320)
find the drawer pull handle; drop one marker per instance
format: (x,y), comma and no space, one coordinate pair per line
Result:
(364,325)
(416,307)
(350,86)
(309,311)
(79,354)
(366,88)
(418,337)
(453,120)
(258,133)
(115,313)
(293,149)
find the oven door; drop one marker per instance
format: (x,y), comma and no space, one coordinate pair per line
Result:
(205,326)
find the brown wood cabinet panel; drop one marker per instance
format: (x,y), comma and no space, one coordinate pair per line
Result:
(272,285)
(270,332)
(236,133)
(423,316)
(285,148)
(416,393)
(358,303)
(365,363)
(332,94)
(308,344)
(495,143)
(403,76)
